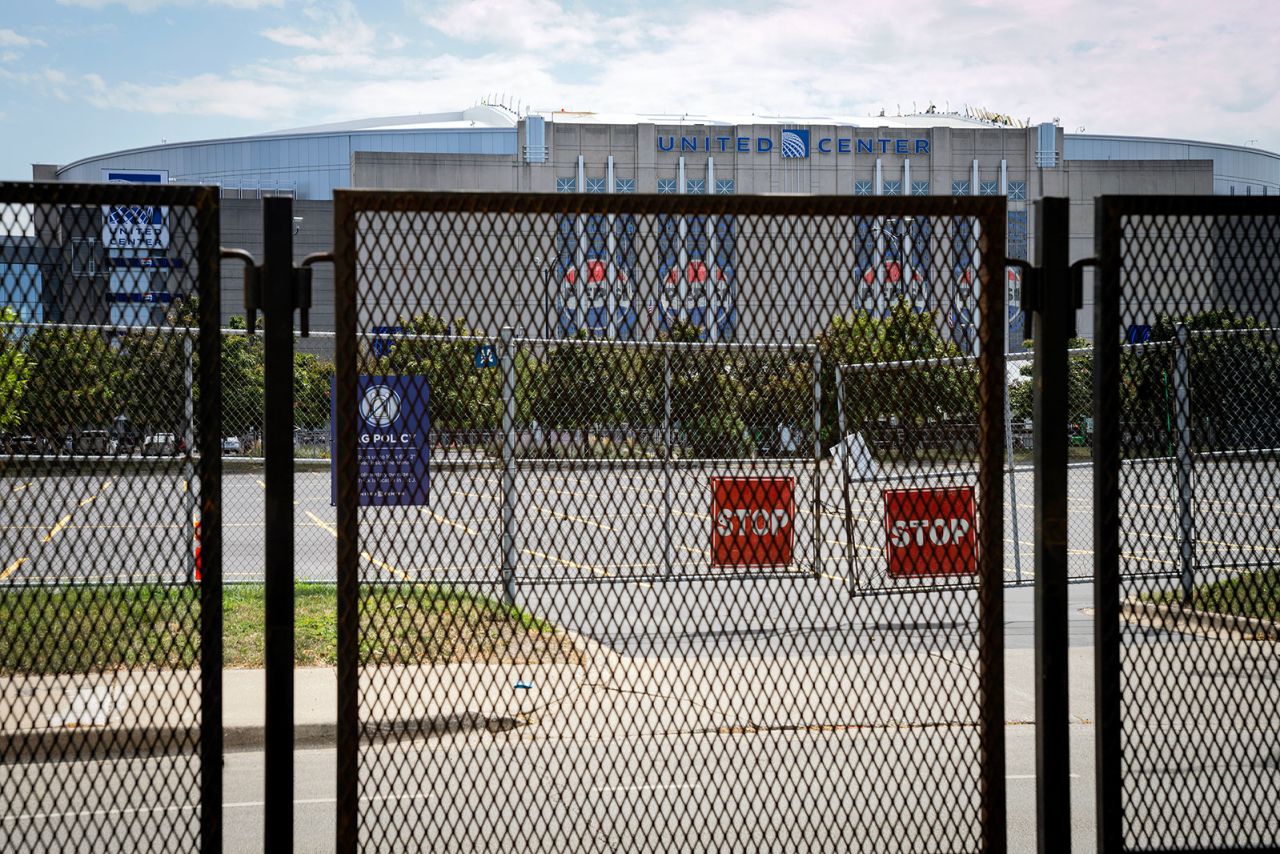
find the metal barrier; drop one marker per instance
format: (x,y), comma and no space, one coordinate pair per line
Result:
(109,647)
(1187,690)
(659,648)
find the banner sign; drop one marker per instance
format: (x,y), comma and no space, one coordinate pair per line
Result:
(752,521)
(930,532)
(393,440)
(135,226)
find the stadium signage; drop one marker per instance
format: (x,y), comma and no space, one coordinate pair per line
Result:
(795,144)
(393,447)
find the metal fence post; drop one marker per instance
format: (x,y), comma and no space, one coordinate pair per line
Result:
(1186,487)
(668,547)
(507,363)
(845,476)
(817,461)
(1051,331)
(1011,466)
(188,437)
(277,303)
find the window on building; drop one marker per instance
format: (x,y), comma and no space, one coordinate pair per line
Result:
(595,185)
(566,185)
(695,186)
(919,188)
(989,188)
(893,188)
(1017,234)
(725,187)
(959,188)
(862,188)
(666,185)
(84,256)
(1018,191)
(624,185)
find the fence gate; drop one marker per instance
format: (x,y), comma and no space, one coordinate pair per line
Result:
(591,527)
(1187,405)
(110,645)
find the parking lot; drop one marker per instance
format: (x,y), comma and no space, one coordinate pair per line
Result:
(112,521)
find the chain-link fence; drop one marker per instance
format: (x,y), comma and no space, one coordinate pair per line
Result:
(108,645)
(623,580)
(1188,599)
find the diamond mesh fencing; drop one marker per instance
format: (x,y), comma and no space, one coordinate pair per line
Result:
(594,552)
(110,681)
(1188,593)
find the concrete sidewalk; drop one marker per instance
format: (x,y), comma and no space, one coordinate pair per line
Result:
(602,695)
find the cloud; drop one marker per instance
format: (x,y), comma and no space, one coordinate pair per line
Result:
(523,24)
(1094,63)
(152,5)
(8,38)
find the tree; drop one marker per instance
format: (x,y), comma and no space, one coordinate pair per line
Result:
(311,390)
(913,396)
(75,382)
(15,372)
(1233,369)
(1079,386)
(463,397)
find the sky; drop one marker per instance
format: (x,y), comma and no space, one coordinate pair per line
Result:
(86,77)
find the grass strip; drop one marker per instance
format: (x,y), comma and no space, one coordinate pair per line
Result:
(52,630)
(1249,594)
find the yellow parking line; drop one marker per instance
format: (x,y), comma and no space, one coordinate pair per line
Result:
(446,521)
(23,486)
(53,532)
(835,578)
(591,569)
(333,532)
(12,567)
(572,518)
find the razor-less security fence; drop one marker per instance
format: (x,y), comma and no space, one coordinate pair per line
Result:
(640,628)
(110,642)
(1188,597)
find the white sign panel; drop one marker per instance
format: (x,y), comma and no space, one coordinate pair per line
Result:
(135,226)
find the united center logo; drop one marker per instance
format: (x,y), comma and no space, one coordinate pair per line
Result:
(380,406)
(795,143)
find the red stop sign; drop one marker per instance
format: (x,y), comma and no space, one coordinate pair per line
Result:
(930,532)
(752,521)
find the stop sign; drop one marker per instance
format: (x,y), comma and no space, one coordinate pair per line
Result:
(752,521)
(930,532)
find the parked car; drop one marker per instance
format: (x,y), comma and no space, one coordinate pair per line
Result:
(25,444)
(98,442)
(160,445)
(231,445)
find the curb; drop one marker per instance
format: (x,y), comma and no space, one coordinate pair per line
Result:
(1205,623)
(89,743)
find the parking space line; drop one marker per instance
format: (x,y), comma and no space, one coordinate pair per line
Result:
(22,486)
(9,570)
(570,517)
(446,521)
(591,569)
(53,532)
(333,532)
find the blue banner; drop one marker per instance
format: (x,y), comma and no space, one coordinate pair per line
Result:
(393,443)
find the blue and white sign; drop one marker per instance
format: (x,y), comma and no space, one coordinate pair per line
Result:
(795,143)
(392,443)
(486,356)
(135,226)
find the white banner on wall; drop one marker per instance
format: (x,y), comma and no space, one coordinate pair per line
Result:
(135,226)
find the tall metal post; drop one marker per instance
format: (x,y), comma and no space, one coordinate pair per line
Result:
(278,304)
(507,363)
(1182,415)
(817,461)
(1011,466)
(845,477)
(1051,330)
(189,440)
(668,547)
